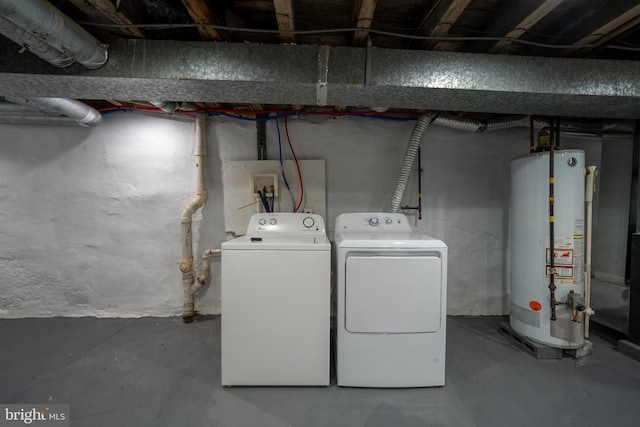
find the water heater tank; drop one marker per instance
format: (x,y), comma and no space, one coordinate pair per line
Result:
(530,309)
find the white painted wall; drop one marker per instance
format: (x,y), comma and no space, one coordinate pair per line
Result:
(89,217)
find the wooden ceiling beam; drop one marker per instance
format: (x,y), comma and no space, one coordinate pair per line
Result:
(202,14)
(608,31)
(526,24)
(363,11)
(284,16)
(440,19)
(104,12)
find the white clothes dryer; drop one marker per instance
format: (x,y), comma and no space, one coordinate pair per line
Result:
(276,284)
(391,293)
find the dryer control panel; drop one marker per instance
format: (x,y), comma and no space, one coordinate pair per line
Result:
(373,221)
(286,223)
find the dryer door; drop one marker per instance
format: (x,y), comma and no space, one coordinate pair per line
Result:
(393,294)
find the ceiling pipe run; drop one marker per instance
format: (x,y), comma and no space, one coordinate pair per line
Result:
(82,114)
(33,44)
(39,20)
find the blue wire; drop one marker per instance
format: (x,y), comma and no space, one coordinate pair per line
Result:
(284,177)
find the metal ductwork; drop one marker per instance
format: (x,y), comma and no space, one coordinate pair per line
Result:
(23,111)
(290,74)
(45,31)
(32,43)
(172,107)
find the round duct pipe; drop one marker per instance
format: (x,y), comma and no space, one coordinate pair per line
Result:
(83,114)
(43,21)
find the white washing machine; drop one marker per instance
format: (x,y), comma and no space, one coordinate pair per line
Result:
(276,302)
(392,298)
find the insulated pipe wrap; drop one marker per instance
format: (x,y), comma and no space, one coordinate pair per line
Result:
(83,114)
(33,44)
(47,23)
(408,160)
(458,123)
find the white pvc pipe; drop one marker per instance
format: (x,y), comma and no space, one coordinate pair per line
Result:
(588,197)
(189,286)
(202,279)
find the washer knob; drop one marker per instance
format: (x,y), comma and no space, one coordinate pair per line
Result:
(388,221)
(308,222)
(373,221)
(262,221)
(273,221)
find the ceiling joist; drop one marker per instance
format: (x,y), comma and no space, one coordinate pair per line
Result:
(202,14)
(286,23)
(608,31)
(104,12)
(363,11)
(440,19)
(527,23)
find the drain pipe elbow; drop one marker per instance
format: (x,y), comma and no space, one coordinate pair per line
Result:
(202,279)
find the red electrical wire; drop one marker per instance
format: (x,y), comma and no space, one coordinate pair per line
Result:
(286,130)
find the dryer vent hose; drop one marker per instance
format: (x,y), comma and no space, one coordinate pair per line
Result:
(409,159)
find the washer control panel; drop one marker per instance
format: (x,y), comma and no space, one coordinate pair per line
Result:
(373,221)
(286,223)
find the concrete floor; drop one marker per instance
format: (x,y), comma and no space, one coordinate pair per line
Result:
(161,372)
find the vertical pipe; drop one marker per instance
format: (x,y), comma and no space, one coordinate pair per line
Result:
(552,284)
(419,185)
(189,288)
(531,144)
(588,197)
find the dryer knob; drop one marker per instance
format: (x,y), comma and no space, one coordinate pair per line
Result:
(262,221)
(308,222)
(373,221)
(273,221)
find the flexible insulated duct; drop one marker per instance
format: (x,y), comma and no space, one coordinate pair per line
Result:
(409,159)
(83,114)
(43,21)
(33,44)
(31,119)
(470,125)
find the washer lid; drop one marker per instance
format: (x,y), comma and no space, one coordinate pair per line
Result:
(278,243)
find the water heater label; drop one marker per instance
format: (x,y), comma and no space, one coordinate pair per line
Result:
(568,253)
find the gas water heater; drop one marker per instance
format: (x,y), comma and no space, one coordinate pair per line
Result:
(530,301)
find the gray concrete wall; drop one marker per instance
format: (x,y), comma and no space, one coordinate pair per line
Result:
(614,185)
